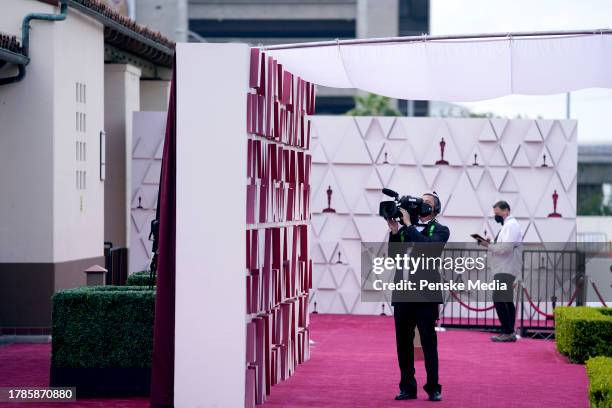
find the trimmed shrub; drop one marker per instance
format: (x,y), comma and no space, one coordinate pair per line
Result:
(599,370)
(103,326)
(142,278)
(583,332)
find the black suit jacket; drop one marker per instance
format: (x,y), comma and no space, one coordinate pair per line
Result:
(428,243)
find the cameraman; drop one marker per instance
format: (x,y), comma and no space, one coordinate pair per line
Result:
(408,315)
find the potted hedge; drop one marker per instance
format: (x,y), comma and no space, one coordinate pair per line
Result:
(102,340)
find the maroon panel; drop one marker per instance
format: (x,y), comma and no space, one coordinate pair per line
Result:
(261,87)
(162,364)
(287,88)
(279,268)
(254,71)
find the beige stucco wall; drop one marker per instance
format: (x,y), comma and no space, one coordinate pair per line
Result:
(44,217)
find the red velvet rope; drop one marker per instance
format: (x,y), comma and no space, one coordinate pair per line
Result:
(472,308)
(598,294)
(537,309)
(533,305)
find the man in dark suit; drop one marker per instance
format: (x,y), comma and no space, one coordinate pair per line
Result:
(422,311)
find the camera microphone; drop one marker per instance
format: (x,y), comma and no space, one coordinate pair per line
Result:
(390,193)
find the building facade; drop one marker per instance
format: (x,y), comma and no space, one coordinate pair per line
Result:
(67,95)
(267,22)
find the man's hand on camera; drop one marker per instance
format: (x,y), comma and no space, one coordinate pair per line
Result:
(405,217)
(393,225)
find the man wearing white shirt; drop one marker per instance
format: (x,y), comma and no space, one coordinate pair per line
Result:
(504,257)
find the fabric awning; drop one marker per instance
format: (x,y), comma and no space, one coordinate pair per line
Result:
(458,70)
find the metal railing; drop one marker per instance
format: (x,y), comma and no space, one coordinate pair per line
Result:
(548,278)
(116,264)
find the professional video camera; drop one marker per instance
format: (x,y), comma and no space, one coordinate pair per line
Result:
(415,206)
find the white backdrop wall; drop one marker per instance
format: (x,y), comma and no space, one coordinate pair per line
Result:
(519,160)
(147,150)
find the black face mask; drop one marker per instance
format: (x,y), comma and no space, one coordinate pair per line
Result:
(499,219)
(426,210)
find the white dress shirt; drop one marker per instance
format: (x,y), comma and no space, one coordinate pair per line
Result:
(505,255)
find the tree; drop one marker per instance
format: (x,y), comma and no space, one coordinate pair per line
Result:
(373,105)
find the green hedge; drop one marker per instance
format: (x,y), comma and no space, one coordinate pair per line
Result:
(599,370)
(142,278)
(103,326)
(583,332)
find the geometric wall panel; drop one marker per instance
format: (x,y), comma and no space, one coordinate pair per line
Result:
(468,133)
(148,129)
(488,132)
(485,160)
(533,133)
(430,174)
(568,127)
(499,126)
(493,154)
(544,126)
(520,158)
(475,174)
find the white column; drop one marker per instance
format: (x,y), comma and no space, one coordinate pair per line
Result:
(121,99)
(211,153)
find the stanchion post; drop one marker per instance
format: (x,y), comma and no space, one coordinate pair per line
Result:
(522,294)
(581,278)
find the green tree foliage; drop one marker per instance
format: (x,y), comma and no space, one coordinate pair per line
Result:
(373,105)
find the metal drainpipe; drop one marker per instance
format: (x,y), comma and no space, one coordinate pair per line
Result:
(25,37)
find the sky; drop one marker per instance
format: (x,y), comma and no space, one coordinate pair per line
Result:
(591,107)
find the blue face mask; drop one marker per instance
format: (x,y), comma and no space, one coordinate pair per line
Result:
(499,219)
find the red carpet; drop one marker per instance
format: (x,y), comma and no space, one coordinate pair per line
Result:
(353,364)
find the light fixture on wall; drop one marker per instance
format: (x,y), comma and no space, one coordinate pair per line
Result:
(102,155)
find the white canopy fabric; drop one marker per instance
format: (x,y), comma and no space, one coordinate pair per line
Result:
(458,70)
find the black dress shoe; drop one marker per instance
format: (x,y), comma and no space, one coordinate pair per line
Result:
(435,396)
(405,396)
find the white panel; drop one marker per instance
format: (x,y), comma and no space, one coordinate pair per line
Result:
(499,125)
(386,124)
(544,125)
(533,133)
(520,158)
(406,155)
(493,155)
(372,181)
(466,134)
(352,149)
(568,126)
(507,166)
(430,174)
(363,123)
(352,191)
(212,83)
(148,130)
(475,174)
(556,142)
(318,152)
(333,129)
(463,203)
(317,222)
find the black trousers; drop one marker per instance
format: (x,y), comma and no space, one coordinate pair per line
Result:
(504,303)
(407,316)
